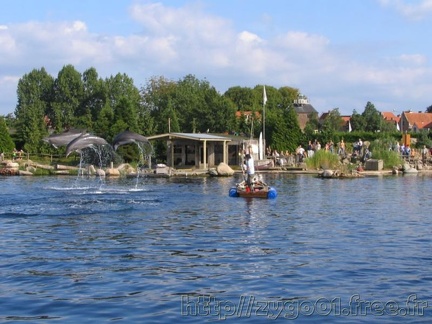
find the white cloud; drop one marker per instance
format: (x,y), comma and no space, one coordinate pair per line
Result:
(8,86)
(249,38)
(7,43)
(302,41)
(76,27)
(414,59)
(189,23)
(418,10)
(174,42)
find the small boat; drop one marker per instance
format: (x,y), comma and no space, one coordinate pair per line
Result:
(259,190)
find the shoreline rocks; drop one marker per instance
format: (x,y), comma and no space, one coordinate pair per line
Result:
(9,168)
(29,168)
(331,174)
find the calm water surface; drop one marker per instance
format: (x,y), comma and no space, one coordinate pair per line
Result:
(180,249)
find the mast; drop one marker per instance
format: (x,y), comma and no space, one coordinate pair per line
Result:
(263,118)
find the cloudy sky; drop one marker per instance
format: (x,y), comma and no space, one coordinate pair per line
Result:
(339,53)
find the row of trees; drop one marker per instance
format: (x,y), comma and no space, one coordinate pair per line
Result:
(368,125)
(108,106)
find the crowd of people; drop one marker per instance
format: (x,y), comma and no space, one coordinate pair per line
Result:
(285,157)
(16,155)
(407,152)
(360,151)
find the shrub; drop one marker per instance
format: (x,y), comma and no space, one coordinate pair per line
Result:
(381,151)
(323,159)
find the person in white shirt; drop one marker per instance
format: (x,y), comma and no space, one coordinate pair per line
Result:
(424,153)
(250,170)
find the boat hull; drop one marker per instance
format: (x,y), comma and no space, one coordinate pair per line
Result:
(253,194)
(262,191)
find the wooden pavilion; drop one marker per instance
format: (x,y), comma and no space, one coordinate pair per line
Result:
(199,150)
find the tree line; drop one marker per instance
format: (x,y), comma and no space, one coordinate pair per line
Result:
(108,106)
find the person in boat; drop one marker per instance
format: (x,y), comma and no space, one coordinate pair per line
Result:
(250,170)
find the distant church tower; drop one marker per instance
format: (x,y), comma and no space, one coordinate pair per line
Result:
(301,100)
(303,109)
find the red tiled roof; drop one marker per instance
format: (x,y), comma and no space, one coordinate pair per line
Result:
(346,119)
(247,113)
(390,116)
(421,120)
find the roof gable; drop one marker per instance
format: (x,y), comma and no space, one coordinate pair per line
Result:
(191,136)
(247,114)
(346,119)
(420,120)
(390,116)
(304,109)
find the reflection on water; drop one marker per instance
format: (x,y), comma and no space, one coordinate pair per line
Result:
(172,249)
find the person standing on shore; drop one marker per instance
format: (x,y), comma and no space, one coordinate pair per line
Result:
(424,153)
(310,149)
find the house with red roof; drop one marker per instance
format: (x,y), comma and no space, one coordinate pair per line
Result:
(391,118)
(346,125)
(415,121)
(248,114)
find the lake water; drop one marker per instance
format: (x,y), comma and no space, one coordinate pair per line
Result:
(181,250)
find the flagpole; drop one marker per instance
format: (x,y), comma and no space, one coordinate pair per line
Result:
(264,103)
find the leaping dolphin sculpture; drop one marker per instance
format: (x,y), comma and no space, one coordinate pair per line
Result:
(86,140)
(64,138)
(127,137)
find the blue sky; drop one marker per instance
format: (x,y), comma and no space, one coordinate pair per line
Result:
(339,53)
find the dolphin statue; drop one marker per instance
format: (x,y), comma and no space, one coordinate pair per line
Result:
(64,138)
(83,141)
(127,137)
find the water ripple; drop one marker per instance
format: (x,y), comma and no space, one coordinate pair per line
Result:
(82,250)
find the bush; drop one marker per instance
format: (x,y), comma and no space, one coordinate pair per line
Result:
(323,159)
(381,151)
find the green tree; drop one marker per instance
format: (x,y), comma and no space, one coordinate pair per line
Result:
(279,107)
(68,95)
(125,115)
(372,117)
(312,125)
(93,99)
(358,122)
(288,95)
(169,115)
(34,94)
(243,99)
(10,120)
(103,124)
(124,99)
(387,126)
(220,112)
(190,103)
(249,103)
(423,139)
(6,142)
(286,133)
(146,123)
(332,125)
(158,96)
